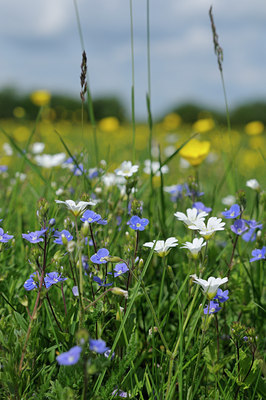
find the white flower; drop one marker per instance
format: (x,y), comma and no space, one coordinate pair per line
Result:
(76,209)
(50,160)
(20,176)
(192,217)
(126,169)
(154,167)
(207,231)
(169,150)
(210,286)
(162,247)
(253,184)
(195,246)
(184,163)
(59,191)
(7,149)
(37,147)
(229,200)
(110,179)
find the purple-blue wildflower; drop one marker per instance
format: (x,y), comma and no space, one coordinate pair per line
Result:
(251,234)
(100,282)
(137,223)
(70,357)
(221,296)
(258,254)
(201,207)
(212,308)
(98,345)
(99,257)
(90,217)
(4,237)
(120,393)
(59,239)
(30,283)
(239,227)
(233,212)
(34,237)
(52,278)
(119,269)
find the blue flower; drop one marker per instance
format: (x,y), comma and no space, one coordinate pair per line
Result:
(102,221)
(3,168)
(251,235)
(59,239)
(193,193)
(221,296)
(98,345)
(4,237)
(30,283)
(70,357)
(99,257)
(201,207)
(52,222)
(137,223)
(100,282)
(120,393)
(53,278)
(34,237)
(78,170)
(258,254)
(90,216)
(239,227)
(212,308)
(119,269)
(233,212)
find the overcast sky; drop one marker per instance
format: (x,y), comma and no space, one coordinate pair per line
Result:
(40,48)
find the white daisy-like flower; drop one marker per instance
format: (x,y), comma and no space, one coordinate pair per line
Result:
(111,179)
(194,247)
(76,209)
(229,200)
(154,167)
(210,286)
(50,160)
(192,217)
(162,248)
(37,147)
(253,184)
(126,169)
(207,231)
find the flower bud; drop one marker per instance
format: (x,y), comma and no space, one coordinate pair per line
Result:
(120,292)
(70,246)
(85,229)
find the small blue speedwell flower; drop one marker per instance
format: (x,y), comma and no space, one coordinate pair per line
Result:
(119,269)
(34,237)
(62,236)
(31,283)
(258,254)
(70,357)
(52,278)
(239,227)
(99,257)
(233,212)
(4,237)
(99,346)
(137,223)
(212,308)
(100,282)
(221,296)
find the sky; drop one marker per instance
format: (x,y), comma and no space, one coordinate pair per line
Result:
(40,49)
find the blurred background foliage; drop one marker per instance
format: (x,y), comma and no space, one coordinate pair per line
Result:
(13,103)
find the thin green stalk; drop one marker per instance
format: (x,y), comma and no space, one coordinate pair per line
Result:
(200,349)
(80,274)
(133,86)
(174,353)
(89,99)
(162,286)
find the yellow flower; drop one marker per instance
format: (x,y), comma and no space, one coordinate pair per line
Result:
(254,128)
(19,112)
(203,125)
(171,121)
(40,97)
(109,124)
(195,151)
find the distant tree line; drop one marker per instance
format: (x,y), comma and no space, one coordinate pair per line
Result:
(66,107)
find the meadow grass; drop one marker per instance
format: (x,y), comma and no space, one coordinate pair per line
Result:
(63,303)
